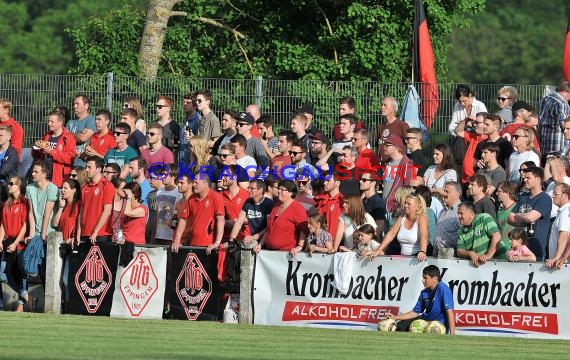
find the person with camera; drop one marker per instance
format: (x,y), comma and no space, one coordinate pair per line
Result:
(533,212)
(472,132)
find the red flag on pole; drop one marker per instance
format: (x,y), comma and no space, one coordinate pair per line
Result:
(566,65)
(424,70)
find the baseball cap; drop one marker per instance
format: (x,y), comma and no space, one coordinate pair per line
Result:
(245,117)
(522,105)
(320,136)
(307,108)
(394,140)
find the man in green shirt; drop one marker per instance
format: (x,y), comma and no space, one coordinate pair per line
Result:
(479,237)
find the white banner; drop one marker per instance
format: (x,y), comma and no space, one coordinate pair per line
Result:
(498,298)
(139,287)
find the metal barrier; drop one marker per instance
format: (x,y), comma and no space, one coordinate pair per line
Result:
(33,96)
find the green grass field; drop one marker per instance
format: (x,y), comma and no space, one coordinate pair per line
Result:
(41,336)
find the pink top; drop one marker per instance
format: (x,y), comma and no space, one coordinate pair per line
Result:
(163,155)
(522,251)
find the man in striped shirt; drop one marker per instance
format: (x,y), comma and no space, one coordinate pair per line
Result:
(479,236)
(552,110)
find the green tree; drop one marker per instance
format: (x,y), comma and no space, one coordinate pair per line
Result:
(297,39)
(515,42)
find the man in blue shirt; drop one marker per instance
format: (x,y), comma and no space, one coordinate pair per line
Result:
(434,303)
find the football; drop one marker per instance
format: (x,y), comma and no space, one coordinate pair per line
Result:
(418,326)
(387,325)
(435,327)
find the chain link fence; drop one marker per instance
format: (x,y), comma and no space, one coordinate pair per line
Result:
(33,96)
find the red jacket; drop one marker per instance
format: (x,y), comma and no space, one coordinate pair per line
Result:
(63,155)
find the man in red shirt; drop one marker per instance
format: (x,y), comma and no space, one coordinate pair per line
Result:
(366,158)
(331,208)
(205,209)
(471,138)
(285,141)
(103,139)
(234,196)
(7,120)
(97,197)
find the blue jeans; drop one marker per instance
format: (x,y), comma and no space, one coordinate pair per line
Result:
(12,267)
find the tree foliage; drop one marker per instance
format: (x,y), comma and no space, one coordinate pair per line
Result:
(515,42)
(296,39)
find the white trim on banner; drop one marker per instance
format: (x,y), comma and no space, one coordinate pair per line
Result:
(140,286)
(498,298)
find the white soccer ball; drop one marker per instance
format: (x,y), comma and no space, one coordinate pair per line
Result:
(418,326)
(387,325)
(435,327)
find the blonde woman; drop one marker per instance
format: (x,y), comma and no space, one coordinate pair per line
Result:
(411,230)
(400,196)
(134,103)
(523,143)
(200,153)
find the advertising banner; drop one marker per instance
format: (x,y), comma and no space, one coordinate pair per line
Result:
(511,299)
(140,286)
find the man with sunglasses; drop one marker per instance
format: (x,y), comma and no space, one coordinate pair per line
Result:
(189,127)
(156,153)
(170,128)
(254,146)
(82,127)
(373,203)
(209,127)
(471,138)
(123,153)
(521,116)
(298,162)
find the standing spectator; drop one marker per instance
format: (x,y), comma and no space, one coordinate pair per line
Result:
(254,146)
(346,168)
(552,110)
(299,163)
(366,159)
(123,153)
(299,124)
(442,171)
(205,210)
(255,111)
(157,185)
(133,102)
(82,127)
(8,155)
(479,237)
(6,119)
(304,192)
(287,223)
(111,171)
(321,156)
(447,228)
(166,199)
(331,204)
(522,112)
(399,169)
(229,121)
(136,139)
(265,126)
(102,140)
(156,152)
(286,139)
(190,125)
(472,132)
(523,142)
(561,225)
(411,230)
(491,169)
(185,190)
(57,149)
(234,197)
(347,105)
(170,128)
(134,216)
(492,125)
(209,127)
(78,173)
(347,126)
(413,141)
(137,168)
(200,153)
(42,195)
(242,158)
(307,110)
(12,243)
(466,107)
(506,97)
(392,126)
(255,211)
(477,191)
(554,174)
(352,217)
(506,196)
(97,197)
(373,203)
(534,212)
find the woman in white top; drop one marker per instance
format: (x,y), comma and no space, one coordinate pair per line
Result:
(523,143)
(352,218)
(465,107)
(442,169)
(411,230)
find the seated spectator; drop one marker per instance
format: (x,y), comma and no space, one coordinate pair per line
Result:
(447,229)
(477,191)
(353,216)
(442,170)
(287,223)
(479,237)
(411,230)
(519,251)
(319,239)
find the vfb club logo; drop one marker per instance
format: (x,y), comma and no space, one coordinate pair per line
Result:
(93,279)
(193,286)
(138,283)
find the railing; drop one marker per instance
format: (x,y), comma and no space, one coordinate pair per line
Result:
(33,96)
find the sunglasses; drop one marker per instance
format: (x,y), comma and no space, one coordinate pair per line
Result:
(150,134)
(303,182)
(158,106)
(366,180)
(126,106)
(109,172)
(503,98)
(295,153)
(11,183)
(118,133)
(223,156)
(518,136)
(73,176)
(241,124)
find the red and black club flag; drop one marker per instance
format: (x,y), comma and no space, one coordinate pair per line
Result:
(424,70)
(566,65)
